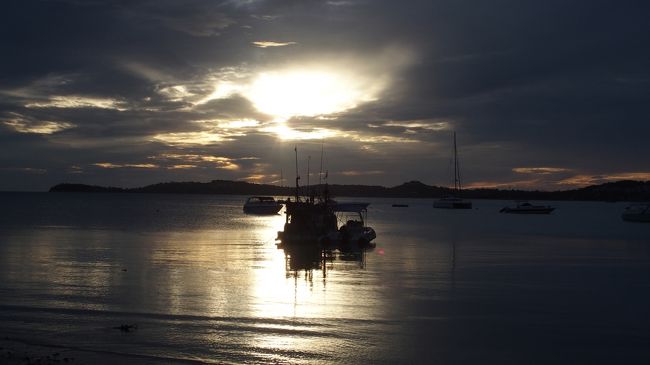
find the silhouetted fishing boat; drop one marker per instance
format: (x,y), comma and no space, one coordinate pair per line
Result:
(524,207)
(454,202)
(637,213)
(313,220)
(262,205)
(306,222)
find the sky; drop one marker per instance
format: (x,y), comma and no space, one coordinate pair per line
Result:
(541,94)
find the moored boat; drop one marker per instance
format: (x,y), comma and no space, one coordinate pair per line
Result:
(353,234)
(314,220)
(454,202)
(524,207)
(637,213)
(306,222)
(262,205)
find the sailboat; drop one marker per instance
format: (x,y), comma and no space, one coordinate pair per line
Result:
(454,202)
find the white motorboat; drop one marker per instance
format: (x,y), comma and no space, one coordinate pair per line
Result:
(262,205)
(454,202)
(352,233)
(637,213)
(524,207)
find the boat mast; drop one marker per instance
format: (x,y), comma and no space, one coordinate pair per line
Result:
(295,149)
(457,186)
(310,191)
(320,173)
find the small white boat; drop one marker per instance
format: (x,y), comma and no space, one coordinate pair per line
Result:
(637,213)
(524,207)
(262,205)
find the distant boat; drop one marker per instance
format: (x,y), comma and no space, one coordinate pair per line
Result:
(454,202)
(524,207)
(637,213)
(262,205)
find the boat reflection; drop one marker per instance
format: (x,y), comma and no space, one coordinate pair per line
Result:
(315,257)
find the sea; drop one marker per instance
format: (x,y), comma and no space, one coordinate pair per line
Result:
(193,279)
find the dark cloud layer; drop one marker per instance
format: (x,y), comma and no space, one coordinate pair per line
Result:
(546,94)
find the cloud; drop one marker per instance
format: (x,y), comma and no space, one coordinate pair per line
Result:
(585,180)
(191,138)
(22,124)
(110,165)
(540,170)
(198,160)
(361,172)
(119,82)
(267,44)
(199,25)
(29,170)
(532,184)
(186,166)
(74,101)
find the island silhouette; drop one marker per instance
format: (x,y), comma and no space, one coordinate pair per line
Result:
(624,190)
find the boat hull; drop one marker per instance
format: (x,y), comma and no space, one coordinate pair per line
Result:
(636,217)
(453,205)
(637,213)
(527,210)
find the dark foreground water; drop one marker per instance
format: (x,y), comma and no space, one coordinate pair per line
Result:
(204,282)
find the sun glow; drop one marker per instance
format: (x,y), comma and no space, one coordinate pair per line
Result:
(288,134)
(285,94)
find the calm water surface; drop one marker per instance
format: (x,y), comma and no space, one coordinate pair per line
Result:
(206,283)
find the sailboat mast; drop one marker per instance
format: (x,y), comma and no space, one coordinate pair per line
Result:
(457,185)
(455,165)
(308,160)
(295,148)
(320,173)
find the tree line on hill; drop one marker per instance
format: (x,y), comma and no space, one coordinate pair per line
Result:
(625,190)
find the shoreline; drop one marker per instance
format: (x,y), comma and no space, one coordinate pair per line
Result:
(15,351)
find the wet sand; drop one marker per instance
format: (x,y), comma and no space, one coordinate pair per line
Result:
(14,351)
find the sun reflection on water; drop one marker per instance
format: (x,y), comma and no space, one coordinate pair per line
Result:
(291,285)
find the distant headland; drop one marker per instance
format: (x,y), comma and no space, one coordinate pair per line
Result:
(625,190)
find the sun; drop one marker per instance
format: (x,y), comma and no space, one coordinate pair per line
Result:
(285,94)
